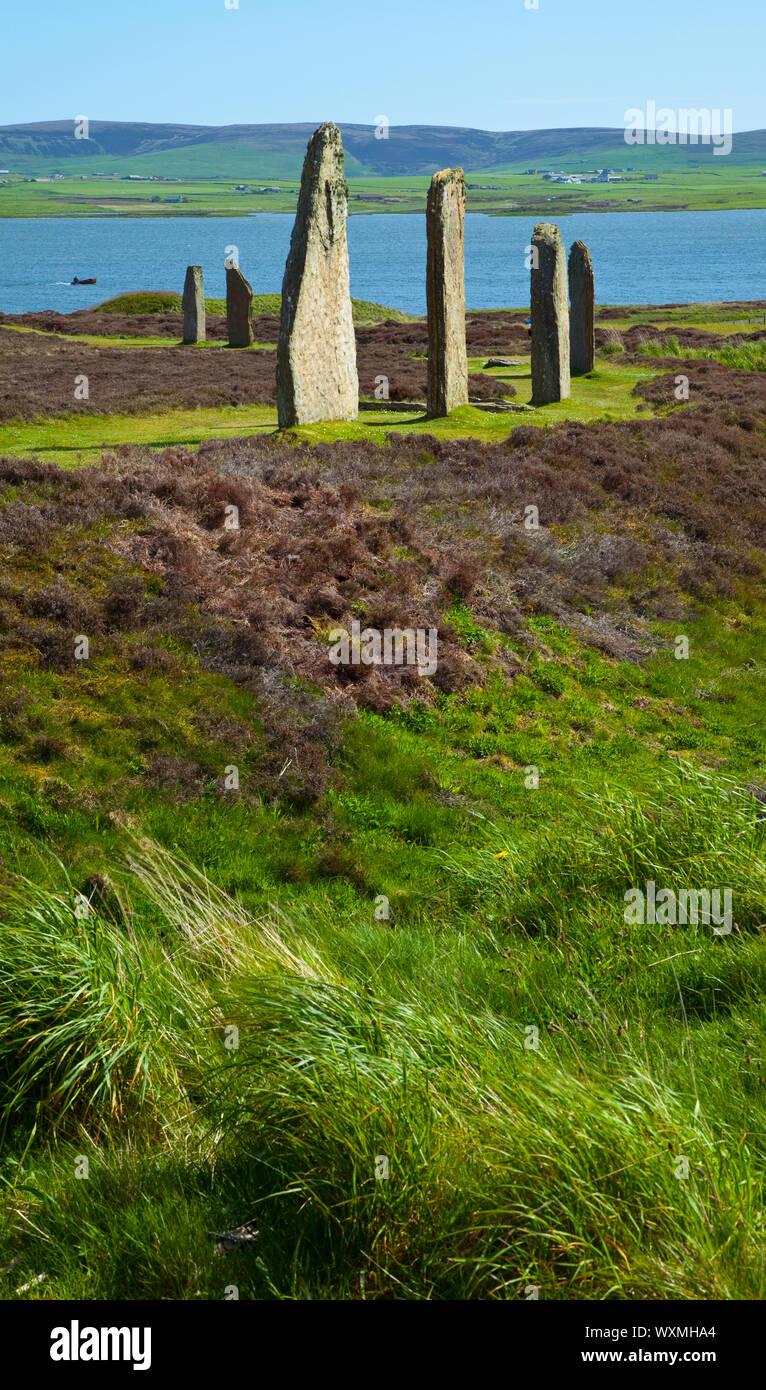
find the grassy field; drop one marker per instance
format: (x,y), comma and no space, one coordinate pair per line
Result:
(606,394)
(498,192)
(155,302)
(714,318)
(377,1009)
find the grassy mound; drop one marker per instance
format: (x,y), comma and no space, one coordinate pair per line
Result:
(167,301)
(141,302)
(500,1128)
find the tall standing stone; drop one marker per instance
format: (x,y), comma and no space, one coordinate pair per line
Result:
(445,293)
(316,353)
(582,333)
(239,307)
(193,305)
(550,316)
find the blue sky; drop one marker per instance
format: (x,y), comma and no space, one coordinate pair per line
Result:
(493,64)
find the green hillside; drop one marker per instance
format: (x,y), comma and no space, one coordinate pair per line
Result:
(172,170)
(276,151)
(325,982)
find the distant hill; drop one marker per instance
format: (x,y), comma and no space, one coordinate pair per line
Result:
(276,151)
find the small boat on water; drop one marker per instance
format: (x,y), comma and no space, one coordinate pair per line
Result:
(76,281)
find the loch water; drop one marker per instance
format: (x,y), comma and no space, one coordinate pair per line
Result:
(639,257)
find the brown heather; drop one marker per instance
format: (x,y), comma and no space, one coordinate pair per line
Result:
(37,374)
(135,550)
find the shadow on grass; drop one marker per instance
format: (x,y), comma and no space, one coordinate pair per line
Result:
(391,421)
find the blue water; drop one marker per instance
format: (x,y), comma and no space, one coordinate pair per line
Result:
(639,257)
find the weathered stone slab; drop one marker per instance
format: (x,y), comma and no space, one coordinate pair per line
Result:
(316,354)
(550,316)
(582,332)
(193,305)
(445,293)
(239,307)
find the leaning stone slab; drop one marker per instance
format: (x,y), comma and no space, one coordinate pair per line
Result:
(582,333)
(445,293)
(550,316)
(316,353)
(493,407)
(239,307)
(193,305)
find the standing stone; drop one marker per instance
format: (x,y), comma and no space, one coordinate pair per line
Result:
(550,316)
(193,305)
(239,307)
(445,293)
(582,333)
(316,353)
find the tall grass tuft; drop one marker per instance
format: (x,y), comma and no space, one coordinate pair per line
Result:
(696,831)
(408,1114)
(95,1016)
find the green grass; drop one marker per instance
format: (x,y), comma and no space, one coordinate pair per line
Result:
(430,966)
(605,394)
(159,340)
(717,318)
(509,1164)
(569,1103)
(142,302)
(163,301)
(208,191)
(749,357)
